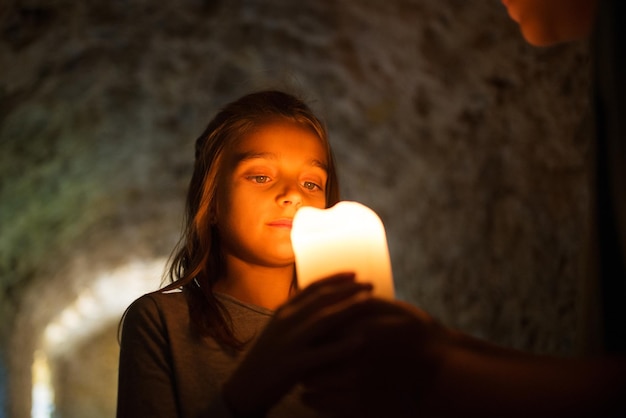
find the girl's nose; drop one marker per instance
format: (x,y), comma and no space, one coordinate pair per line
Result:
(290,195)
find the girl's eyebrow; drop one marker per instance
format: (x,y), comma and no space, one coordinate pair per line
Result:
(251,155)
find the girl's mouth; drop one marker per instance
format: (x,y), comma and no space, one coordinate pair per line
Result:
(281,223)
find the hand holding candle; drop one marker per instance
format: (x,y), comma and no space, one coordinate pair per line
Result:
(349,237)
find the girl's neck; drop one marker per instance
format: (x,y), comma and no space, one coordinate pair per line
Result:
(268,287)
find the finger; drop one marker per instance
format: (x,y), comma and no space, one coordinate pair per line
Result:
(364,306)
(313,358)
(315,299)
(322,285)
(337,277)
(344,314)
(368,320)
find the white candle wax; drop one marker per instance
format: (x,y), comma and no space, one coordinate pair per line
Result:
(349,237)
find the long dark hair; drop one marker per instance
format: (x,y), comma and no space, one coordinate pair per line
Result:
(196,263)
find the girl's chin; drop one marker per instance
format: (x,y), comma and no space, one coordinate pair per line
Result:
(285,259)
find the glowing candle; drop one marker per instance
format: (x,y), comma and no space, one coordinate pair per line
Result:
(349,237)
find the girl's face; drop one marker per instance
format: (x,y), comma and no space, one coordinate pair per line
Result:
(548,22)
(269,175)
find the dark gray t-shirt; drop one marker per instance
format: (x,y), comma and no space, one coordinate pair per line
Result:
(166,370)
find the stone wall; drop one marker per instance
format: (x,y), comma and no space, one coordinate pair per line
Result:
(466,141)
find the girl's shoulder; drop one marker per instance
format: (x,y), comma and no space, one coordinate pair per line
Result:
(157,307)
(159,300)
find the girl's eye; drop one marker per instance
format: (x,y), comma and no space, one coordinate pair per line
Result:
(309,185)
(259,179)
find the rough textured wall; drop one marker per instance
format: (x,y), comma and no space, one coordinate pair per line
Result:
(86,381)
(465,140)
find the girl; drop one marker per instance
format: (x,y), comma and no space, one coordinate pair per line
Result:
(220,339)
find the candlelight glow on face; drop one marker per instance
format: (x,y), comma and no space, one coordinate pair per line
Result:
(272,172)
(349,237)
